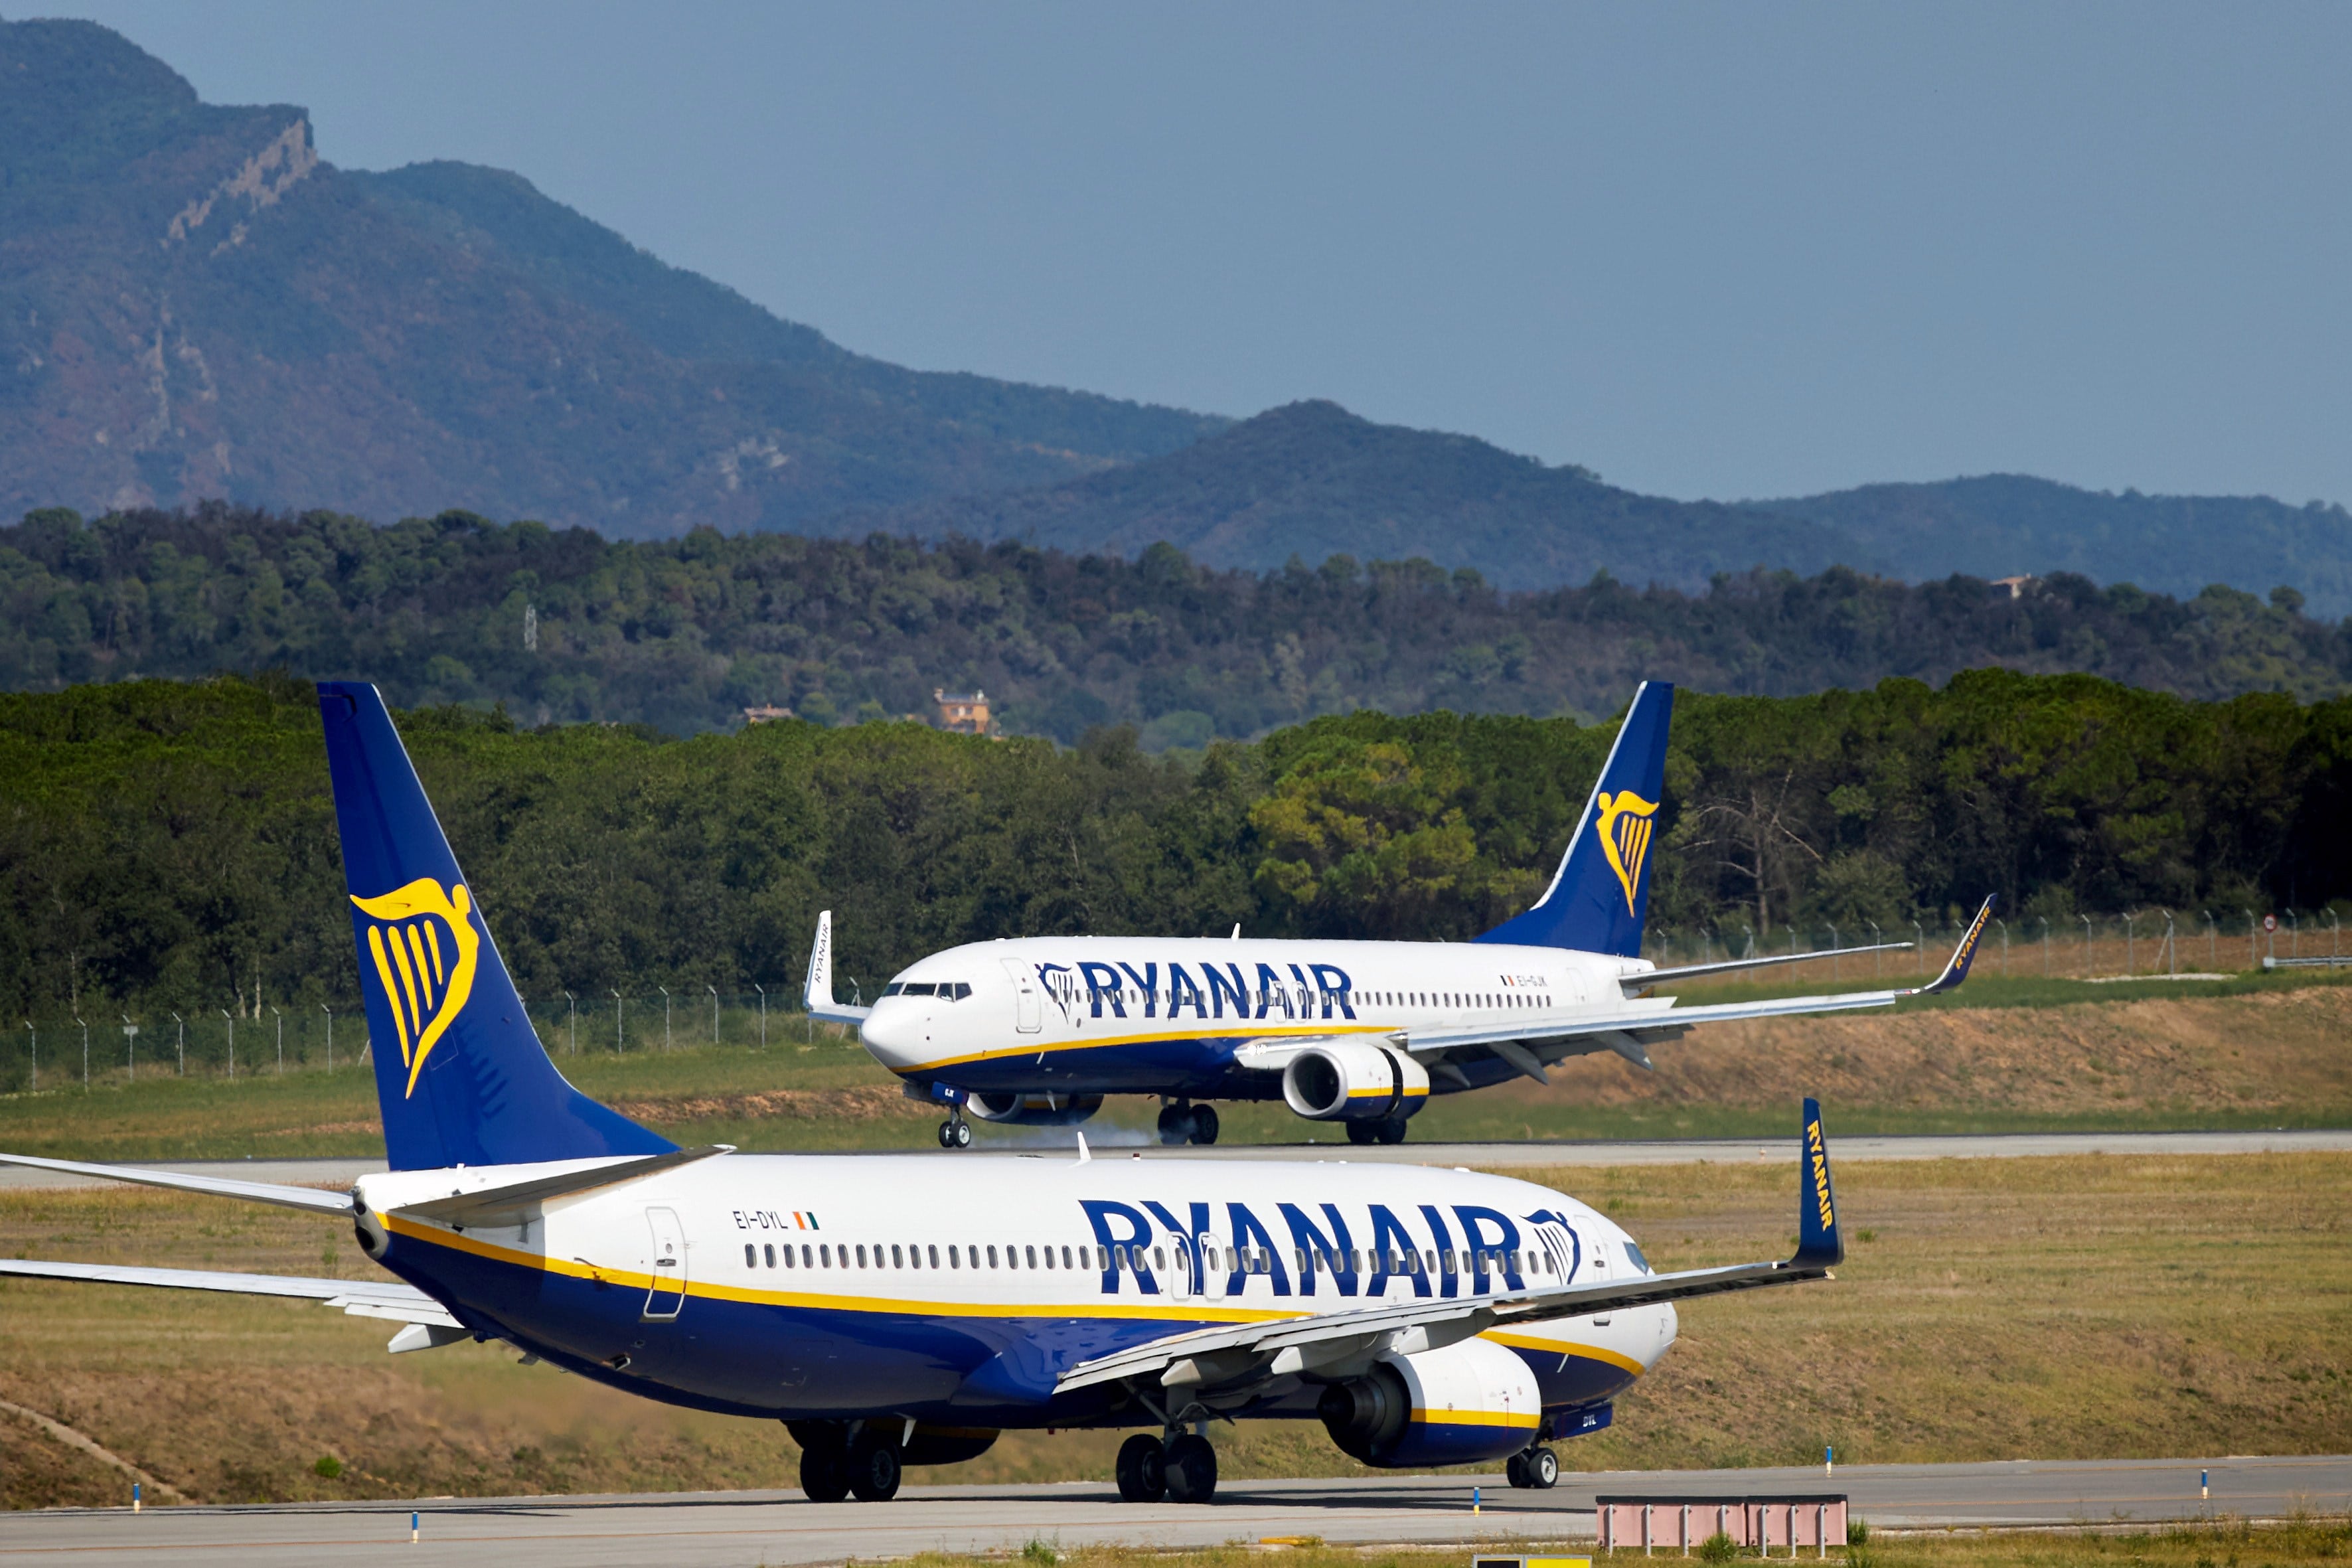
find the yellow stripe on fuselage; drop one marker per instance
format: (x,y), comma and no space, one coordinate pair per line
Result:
(1565,1347)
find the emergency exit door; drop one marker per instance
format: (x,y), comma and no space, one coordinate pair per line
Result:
(669,1265)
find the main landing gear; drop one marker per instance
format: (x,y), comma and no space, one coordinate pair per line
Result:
(1181,1469)
(1188,1124)
(955,1132)
(834,1465)
(1535,1469)
(1388,1131)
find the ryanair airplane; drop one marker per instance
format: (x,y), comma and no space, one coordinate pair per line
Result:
(889,1316)
(1361,1033)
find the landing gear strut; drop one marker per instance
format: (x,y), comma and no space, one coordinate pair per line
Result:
(1181,1469)
(1188,1124)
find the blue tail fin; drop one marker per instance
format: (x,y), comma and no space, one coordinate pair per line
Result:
(1598,898)
(459,1073)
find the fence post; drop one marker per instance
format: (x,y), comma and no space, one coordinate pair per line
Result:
(180,1040)
(36,1055)
(616,1023)
(2086,946)
(232,1040)
(85,1053)
(763,1013)
(666,1038)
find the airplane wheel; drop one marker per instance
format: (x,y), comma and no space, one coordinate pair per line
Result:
(1191,1470)
(1361,1131)
(1204,1125)
(874,1469)
(1515,1470)
(1392,1130)
(962,1134)
(1542,1468)
(947,1135)
(1175,1123)
(1142,1469)
(824,1474)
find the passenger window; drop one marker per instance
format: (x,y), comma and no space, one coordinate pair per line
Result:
(1049,1257)
(935,1255)
(1159,1258)
(770,1252)
(749,1260)
(1102,1257)
(991,1257)
(826,1250)
(1032,1257)
(953,1261)
(1065,1257)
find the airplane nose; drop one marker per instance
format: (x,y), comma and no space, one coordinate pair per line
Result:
(894,1036)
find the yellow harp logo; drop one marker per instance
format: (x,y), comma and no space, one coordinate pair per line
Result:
(1624,828)
(425,947)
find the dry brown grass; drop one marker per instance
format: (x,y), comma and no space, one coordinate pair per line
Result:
(2056,1309)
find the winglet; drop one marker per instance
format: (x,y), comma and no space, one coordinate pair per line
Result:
(1085,1154)
(1820,1243)
(1962,956)
(816,993)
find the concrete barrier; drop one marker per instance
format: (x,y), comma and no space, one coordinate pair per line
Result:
(1679,1523)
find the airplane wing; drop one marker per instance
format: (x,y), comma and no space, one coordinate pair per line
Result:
(1733,965)
(1532,1042)
(361,1298)
(310,1198)
(816,995)
(1240,1353)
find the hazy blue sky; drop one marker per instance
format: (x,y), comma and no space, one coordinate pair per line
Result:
(1724,251)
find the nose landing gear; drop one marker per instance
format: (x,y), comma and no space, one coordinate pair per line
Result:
(955,1132)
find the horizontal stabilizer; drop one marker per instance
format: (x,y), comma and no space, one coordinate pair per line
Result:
(512,1203)
(361,1298)
(310,1198)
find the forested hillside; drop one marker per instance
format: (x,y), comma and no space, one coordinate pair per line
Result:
(194,303)
(684,634)
(172,846)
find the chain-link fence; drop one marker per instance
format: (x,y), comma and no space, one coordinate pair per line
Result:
(2144,944)
(54,1048)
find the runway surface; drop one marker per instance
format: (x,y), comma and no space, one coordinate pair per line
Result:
(1849,1147)
(695,1530)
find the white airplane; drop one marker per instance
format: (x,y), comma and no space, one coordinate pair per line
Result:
(1038,1030)
(891,1311)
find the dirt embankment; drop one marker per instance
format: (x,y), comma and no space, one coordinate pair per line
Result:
(2284,1051)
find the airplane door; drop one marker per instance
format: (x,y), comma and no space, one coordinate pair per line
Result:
(668,1292)
(1212,1276)
(1028,1012)
(1601,1275)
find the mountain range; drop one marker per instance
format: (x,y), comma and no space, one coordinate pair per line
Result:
(195,305)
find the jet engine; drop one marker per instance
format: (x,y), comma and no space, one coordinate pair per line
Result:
(1035,1109)
(1354,1080)
(1470,1401)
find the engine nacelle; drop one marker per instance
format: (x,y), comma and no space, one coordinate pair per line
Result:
(1035,1109)
(1354,1080)
(1463,1405)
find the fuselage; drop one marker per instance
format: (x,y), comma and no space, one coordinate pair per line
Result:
(825,1287)
(1167,1016)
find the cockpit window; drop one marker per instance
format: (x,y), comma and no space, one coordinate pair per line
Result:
(946,990)
(916,988)
(891,990)
(1633,1255)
